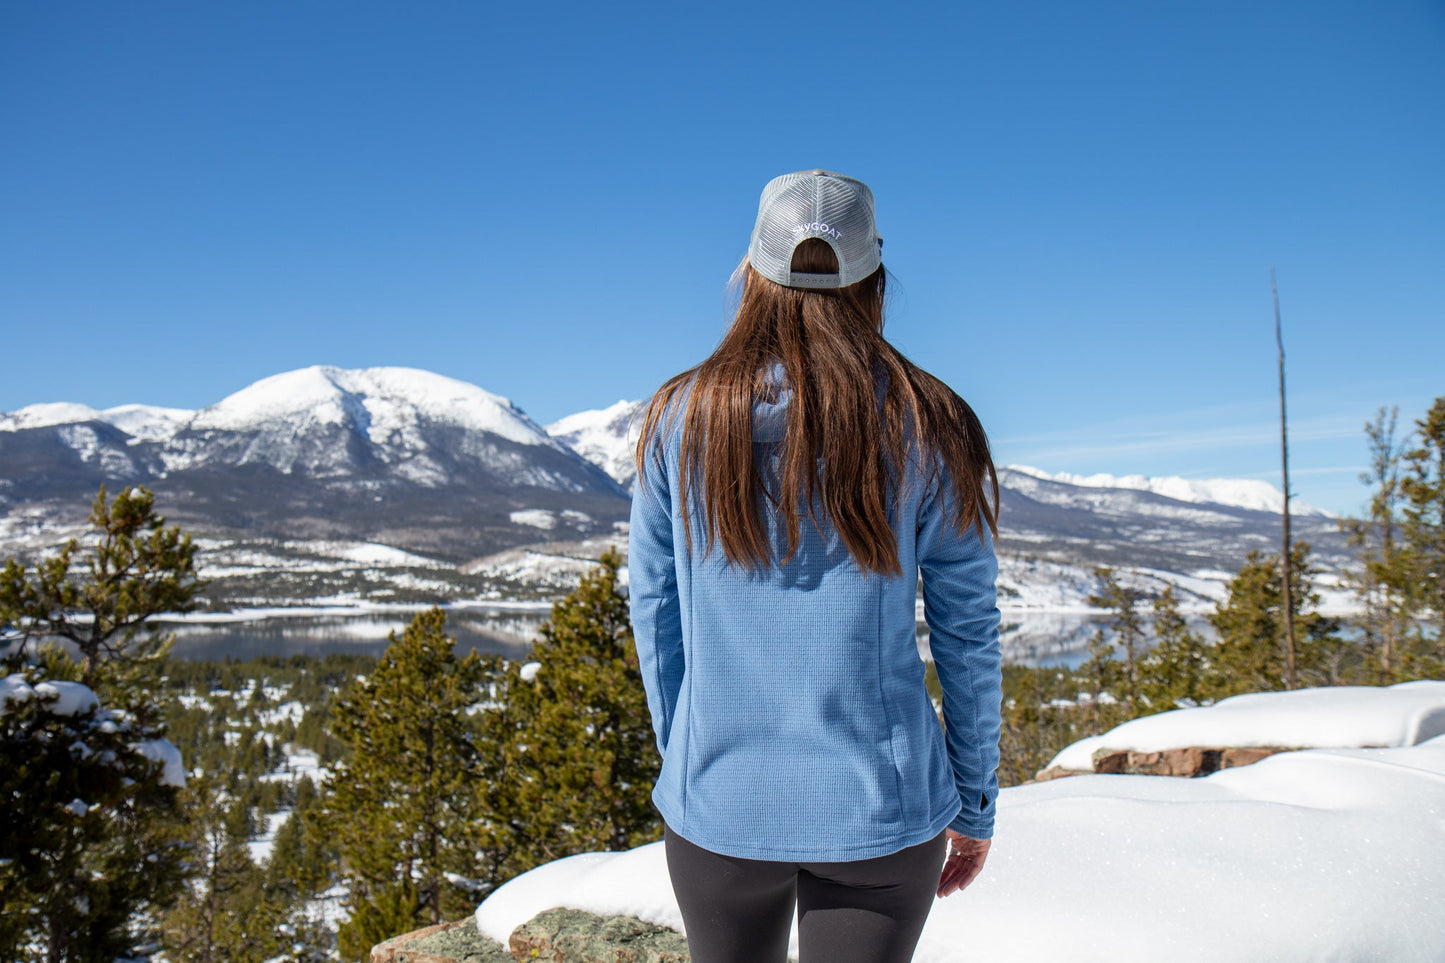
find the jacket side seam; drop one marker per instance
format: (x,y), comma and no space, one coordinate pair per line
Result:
(883,698)
(690,678)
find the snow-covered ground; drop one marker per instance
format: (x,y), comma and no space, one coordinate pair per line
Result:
(1251,493)
(1320,854)
(1326,717)
(299,763)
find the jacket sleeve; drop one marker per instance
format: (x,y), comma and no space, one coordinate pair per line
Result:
(652,598)
(960,605)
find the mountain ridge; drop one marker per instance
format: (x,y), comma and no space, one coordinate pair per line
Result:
(447,470)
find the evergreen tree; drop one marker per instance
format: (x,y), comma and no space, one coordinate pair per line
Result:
(1177,670)
(1118,678)
(1040,716)
(1384,583)
(1423,529)
(84,848)
(136,569)
(578,756)
(224,914)
(403,810)
(1250,653)
(98,848)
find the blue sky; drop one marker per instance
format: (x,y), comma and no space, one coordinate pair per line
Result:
(1081,204)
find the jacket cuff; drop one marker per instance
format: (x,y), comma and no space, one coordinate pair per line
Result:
(975,825)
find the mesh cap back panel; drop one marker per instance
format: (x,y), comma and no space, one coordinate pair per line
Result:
(821,204)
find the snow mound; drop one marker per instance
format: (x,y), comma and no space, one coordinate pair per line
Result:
(1251,493)
(163,751)
(16,689)
(71,698)
(1320,854)
(1338,716)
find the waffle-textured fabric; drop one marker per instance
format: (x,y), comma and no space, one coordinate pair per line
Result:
(816,203)
(789,705)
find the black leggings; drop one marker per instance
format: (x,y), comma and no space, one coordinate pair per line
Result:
(740,910)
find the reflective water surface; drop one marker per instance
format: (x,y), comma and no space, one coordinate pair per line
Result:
(1030,637)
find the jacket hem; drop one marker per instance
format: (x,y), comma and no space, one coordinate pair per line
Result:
(744,850)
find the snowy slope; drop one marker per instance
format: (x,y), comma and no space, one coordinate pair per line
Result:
(606,437)
(1325,717)
(1251,493)
(384,401)
(430,464)
(390,455)
(146,422)
(1193,527)
(1323,854)
(326,420)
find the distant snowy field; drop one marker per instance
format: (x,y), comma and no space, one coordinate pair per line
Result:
(1321,854)
(1249,493)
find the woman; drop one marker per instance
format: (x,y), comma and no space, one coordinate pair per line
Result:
(790,489)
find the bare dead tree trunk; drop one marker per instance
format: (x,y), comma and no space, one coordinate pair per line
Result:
(1286,557)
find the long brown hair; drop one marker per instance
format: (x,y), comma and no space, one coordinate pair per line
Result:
(831,346)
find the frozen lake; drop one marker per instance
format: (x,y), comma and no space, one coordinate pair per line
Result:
(1031,637)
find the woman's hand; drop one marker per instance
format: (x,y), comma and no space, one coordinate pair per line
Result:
(965,860)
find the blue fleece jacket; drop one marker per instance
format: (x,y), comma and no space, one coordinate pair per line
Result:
(789,704)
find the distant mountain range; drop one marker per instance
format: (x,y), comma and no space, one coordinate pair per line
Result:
(468,488)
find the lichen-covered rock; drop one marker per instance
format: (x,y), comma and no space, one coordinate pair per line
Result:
(1188,762)
(457,942)
(563,935)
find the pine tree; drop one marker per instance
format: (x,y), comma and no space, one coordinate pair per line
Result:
(225,913)
(1383,583)
(1040,716)
(1423,529)
(1250,653)
(136,569)
(1177,671)
(1121,680)
(578,756)
(403,809)
(100,850)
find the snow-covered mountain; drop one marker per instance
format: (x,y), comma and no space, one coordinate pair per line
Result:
(332,422)
(412,460)
(321,451)
(1252,493)
(605,436)
(1180,525)
(146,422)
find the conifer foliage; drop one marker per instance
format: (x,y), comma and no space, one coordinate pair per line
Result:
(1383,582)
(1115,678)
(1179,671)
(135,569)
(93,847)
(1423,528)
(1250,653)
(577,753)
(403,809)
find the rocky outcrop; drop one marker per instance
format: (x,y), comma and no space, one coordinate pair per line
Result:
(457,942)
(558,935)
(1186,762)
(574,936)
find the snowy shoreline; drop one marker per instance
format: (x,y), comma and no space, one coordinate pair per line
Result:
(261,613)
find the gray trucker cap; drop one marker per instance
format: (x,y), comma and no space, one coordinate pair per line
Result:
(821,204)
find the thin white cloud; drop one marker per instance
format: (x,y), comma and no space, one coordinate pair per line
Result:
(1099,442)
